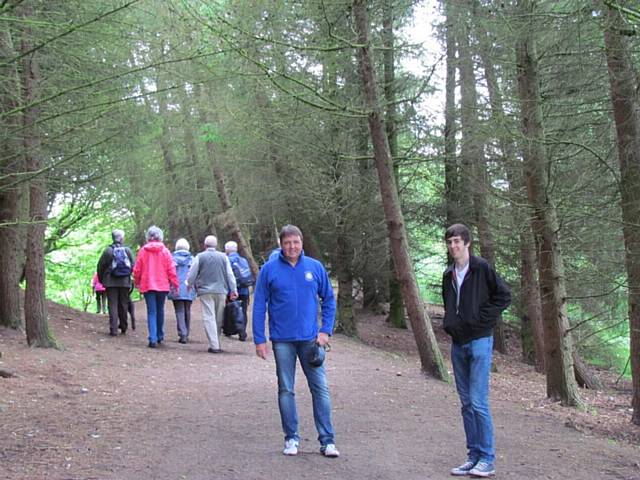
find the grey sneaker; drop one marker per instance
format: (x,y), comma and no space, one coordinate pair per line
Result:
(290,447)
(483,469)
(463,469)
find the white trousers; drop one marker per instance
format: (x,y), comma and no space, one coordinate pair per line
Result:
(213,316)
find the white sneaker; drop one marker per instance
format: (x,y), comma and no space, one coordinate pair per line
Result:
(330,450)
(290,447)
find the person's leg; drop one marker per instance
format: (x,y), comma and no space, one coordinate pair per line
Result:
(98,302)
(150,301)
(244,301)
(103,300)
(132,311)
(219,300)
(179,308)
(285,357)
(209,320)
(317,381)
(187,318)
(160,299)
(123,304)
(481,352)
(460,362)
(112,299)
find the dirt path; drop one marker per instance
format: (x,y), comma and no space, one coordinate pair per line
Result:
(111,408)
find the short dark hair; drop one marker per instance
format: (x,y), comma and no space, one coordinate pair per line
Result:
(458,230)
(290,231)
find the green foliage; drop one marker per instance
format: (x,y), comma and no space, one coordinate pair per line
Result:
(70,268)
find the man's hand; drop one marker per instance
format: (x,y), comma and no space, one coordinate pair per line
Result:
(323,339)
(233,295)
(261,350)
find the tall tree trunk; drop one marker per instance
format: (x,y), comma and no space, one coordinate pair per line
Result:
(396,307)
(192,217)
(35,307)
(561,384)
(532,336)
(228,217)
(626,111)
(11,239)
(451,180)
(473,157)
(430,356)
(174,209)
(530,307)
(346,318)
(374,277)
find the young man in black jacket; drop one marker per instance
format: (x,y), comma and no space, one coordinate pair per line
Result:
(474,296)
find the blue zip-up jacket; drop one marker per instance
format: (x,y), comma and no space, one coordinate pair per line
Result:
(182,259)
(291,295)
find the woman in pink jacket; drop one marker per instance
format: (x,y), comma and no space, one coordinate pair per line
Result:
(101,294)
(153,274)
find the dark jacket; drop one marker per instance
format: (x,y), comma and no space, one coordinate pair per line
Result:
(483,296)
(104,269)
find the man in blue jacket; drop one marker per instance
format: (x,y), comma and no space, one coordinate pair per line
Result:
(474,295)
(290,287)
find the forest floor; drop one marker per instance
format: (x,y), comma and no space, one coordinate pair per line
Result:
(110,408)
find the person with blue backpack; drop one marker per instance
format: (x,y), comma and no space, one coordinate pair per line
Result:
(183,296)
(114,272)
(244,280)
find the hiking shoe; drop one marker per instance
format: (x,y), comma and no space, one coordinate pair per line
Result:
(182,340)
(153,344)
(214,350)
(330,450)
(290,447)
(483,469)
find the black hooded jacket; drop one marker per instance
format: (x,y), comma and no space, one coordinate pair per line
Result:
(484,295)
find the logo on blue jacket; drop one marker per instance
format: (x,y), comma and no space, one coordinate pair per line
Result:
(308,276)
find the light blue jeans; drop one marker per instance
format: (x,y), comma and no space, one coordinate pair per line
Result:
(471,367)
(155,314)
(286,354)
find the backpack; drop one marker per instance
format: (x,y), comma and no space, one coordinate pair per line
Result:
(242,272)
(121,264)
(234,321)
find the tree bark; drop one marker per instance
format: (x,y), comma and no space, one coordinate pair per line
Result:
(626,111)
(531,310)
(473,157)
(35,307)
(561,384)
(227,216)
(11,238)
(430,356)
(396,306)
(451,180)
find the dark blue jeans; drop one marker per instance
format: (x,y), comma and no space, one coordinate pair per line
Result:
(155,314)
(471,367)
(285,354)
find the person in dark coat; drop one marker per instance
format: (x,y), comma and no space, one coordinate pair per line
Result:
(231,249)
(474,295)
(117,285)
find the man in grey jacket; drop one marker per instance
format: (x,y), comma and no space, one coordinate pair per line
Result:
(212,277)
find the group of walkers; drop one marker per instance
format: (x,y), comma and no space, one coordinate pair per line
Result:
(160,274)
(290,290)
